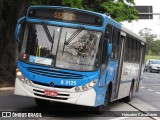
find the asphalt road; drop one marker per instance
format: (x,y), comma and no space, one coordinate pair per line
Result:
(150,89)
(147,99)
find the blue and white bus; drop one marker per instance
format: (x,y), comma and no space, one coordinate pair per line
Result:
(76,56)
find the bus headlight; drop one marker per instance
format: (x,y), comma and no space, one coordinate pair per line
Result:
(28,82)
(77,89)
(92,83)
(22,78)
(19,74)
(86,86)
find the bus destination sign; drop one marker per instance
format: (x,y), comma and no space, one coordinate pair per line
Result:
(65,16)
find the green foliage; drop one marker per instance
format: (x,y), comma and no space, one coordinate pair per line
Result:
(155,47)
(149,41)
(152,47)
(120,10)
(147,57)
(68,3)
(7,2)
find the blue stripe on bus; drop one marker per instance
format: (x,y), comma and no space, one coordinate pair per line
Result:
(87,76)
(112,22)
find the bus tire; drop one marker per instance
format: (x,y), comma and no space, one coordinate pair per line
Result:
(41,102)
(129,97)
(105,107)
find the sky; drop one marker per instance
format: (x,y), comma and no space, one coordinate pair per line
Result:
(153,24)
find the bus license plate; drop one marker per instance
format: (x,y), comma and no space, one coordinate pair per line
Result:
(50,93)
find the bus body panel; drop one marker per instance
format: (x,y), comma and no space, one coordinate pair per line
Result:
(86,98)
(109,76)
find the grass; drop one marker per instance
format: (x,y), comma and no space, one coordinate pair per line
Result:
(151,57)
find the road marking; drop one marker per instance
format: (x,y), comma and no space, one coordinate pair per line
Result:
(149,90)
(119,118)
(157,92)
(146,77)
(143,87)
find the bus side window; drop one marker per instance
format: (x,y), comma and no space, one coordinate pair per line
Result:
(107,38)
(116,45)
(138,51)
(108,33)
(130,43)
(126,56)
(134,49)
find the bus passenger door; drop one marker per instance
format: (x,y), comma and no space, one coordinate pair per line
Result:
(119,80)
(140,72)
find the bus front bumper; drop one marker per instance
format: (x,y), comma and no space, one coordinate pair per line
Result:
(85,98)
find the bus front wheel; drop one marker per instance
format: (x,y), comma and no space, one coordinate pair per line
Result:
(102,108)
(41,102)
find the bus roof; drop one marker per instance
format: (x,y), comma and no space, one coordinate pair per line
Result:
(133,34)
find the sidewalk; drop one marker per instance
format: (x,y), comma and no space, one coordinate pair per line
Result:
(6,84)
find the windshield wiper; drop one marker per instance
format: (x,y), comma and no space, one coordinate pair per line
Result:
(73,35)
(66,42)
(48,34)
(52,41)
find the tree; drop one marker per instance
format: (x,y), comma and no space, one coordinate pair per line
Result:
(149,42)
(10,11)
(120,10)
(146,33)
(155,47)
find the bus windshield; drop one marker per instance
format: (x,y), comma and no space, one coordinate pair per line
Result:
(61,47)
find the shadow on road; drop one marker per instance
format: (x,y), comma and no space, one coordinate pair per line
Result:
(55,109)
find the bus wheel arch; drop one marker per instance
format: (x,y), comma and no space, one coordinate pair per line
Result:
(102,108)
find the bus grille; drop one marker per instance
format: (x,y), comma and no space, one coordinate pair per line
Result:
(65,96)
(55,73)
(56,86)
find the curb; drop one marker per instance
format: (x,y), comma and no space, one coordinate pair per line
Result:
(6,88)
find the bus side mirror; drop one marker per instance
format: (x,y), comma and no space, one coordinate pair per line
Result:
(109,50)
(18,29)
